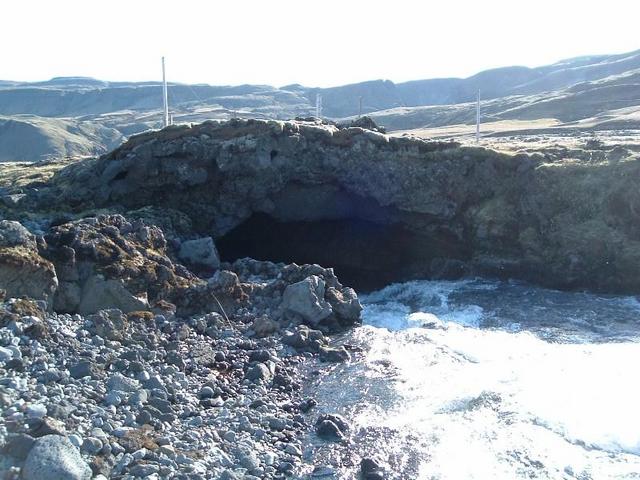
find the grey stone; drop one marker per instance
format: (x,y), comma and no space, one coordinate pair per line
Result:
(18,445)
(258,372)
(13,234)
(110,324)
(99,293)
(336,355)
(306,298)
(119,382)
(144,470)
(5,354)
(345,304)
(54,457)
(249,461)
(206,392)
(85,368)
(201,252)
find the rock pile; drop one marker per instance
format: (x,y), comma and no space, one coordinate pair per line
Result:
(106,376)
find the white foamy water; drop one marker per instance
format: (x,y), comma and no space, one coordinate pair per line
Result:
(507,382)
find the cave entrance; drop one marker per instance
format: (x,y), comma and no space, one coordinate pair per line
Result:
(364,254)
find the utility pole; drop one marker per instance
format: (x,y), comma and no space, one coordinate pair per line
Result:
(165,98)
(360,107)
(318,105)
(478,118)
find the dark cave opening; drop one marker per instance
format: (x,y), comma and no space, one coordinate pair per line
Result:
(365,255)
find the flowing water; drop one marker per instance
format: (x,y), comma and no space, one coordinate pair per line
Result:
(479,379)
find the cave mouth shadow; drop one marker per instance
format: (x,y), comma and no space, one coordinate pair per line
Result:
(365,255)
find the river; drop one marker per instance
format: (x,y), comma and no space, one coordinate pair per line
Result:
(480,379)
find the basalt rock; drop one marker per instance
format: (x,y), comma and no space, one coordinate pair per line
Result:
(23,271)
(109,262)
(378,208)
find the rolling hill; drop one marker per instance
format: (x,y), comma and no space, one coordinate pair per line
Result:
(76,116)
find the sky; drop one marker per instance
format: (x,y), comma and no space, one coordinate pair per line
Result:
(315,43)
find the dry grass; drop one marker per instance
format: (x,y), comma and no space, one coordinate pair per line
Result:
(17,175)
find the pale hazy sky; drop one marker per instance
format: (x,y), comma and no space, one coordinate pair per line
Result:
(316,43)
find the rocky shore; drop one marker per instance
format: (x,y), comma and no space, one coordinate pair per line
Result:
(138,341)
(144,370)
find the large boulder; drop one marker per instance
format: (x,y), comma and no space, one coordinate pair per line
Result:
(109,262)
(200,252)
(99,293)
(23,271)
(306,299)
(53,457)
(13,234)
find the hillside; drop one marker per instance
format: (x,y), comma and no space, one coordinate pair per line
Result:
(34,138)
(83,116)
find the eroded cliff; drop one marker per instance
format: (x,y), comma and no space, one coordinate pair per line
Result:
(376,207)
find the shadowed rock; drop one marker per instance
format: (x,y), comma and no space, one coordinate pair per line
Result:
(377,208)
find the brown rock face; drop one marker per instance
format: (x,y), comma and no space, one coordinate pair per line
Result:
(23,272)
(108,262)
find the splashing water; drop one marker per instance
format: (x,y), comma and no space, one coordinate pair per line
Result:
(492,380)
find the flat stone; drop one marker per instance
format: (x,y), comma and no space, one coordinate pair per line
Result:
(53,457)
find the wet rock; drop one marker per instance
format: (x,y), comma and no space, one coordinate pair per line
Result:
(304,339)
(332,427)
(370,469)
(333,354)
(324,471)
(307,405)
(53,457)
(200,253)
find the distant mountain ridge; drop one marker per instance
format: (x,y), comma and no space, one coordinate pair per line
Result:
(80,116)
(74,96)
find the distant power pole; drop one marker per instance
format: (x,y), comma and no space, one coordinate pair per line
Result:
(360,107)
(478,118)
(165,98)
(318,105)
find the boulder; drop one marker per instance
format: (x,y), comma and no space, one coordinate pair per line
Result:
(345,304)
(99,293)
(109,324)
(54,457)
(201,253)
(110,262)
(13,234)
(334,354)
(23,272)
(304,339)
(332,427)
(263,326)
(306,299)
